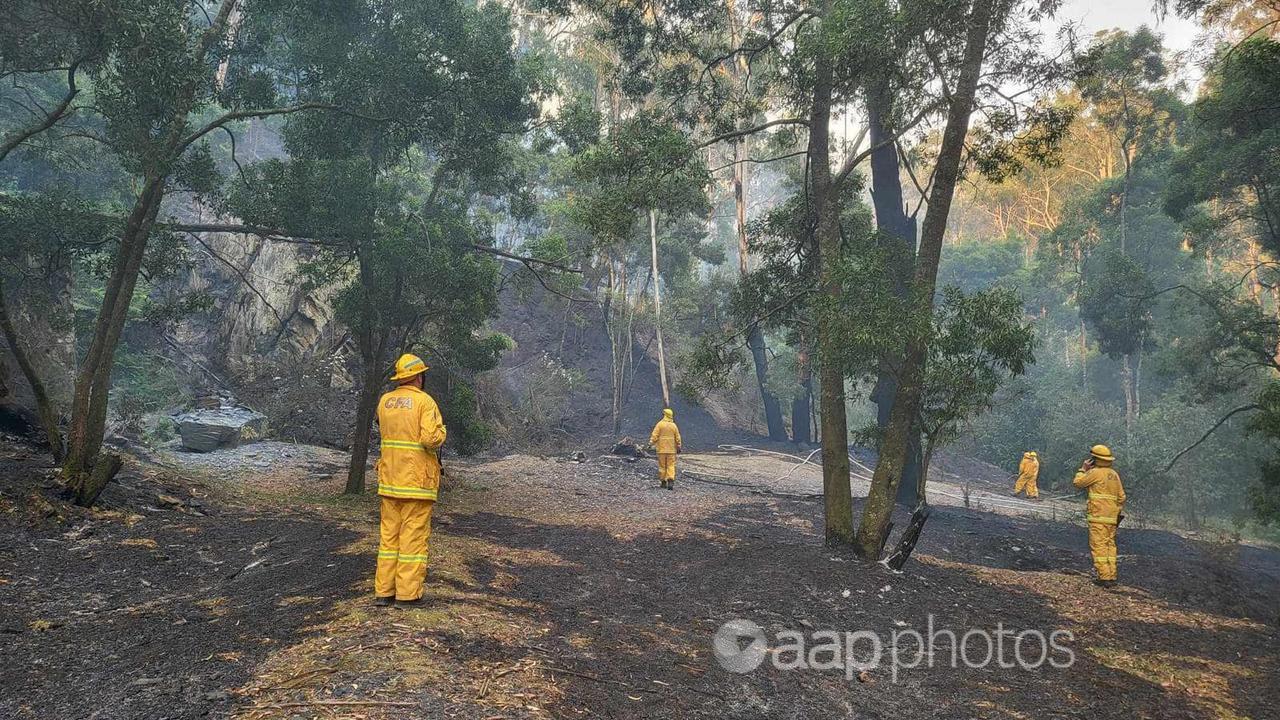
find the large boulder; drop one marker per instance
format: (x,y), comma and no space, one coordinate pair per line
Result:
(207,430)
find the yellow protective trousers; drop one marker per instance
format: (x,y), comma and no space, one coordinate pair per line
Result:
(666,467)
(1026,482)
(402,551)
(1102,543)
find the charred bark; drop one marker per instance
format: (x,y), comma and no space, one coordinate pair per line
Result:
(898,228)
(873,529)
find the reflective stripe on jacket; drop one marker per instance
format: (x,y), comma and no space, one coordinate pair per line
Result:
(1106,494)
(412,430)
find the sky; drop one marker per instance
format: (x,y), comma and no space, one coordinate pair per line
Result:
(1180,35)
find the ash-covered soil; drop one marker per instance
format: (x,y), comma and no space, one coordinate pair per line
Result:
(579,589)
(159,602)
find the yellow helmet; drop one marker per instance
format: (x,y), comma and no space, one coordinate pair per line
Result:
(408,366)
(668,414)
(1102,452)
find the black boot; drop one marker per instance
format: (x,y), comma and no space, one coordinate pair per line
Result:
(387,601)
(409,603)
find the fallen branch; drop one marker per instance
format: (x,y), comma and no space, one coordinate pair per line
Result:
(339,703)
(595,678)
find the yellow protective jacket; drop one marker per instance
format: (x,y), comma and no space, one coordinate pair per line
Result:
(665,437)
(1029,468)
(1106,494)
(412,431)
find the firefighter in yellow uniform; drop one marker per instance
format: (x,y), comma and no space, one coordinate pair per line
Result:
(665,440)
(1104,510)
(1028,473)
(408,479)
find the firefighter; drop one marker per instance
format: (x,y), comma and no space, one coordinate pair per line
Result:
(408,480)
(1104,510)
(1028,472)
(665,440)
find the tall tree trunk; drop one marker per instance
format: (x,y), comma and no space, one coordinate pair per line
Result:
(837,496)
(44,406)
(741,70)
(873,530)
(1130,405)
(657,306)
(370,391)
(925,463)
(755,340)
(93,381)
(85,470)
(800,403)
(895,226)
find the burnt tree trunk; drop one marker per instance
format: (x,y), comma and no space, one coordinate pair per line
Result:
(894,446)
(895,226)
(909,538)
(370,391)
(800,404)
(755,340)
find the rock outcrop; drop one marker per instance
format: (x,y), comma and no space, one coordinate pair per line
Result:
(207,430)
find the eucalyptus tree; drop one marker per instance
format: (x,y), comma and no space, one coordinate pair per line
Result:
(437,100)
(46,48)
(174,74)
(638,169)
(821,59)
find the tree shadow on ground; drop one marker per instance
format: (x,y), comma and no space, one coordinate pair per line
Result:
(630,621)
(158,608)
(1234,580)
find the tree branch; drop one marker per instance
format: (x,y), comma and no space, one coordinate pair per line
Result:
(51,118)
(1194,445)
(752,130)
(248,115)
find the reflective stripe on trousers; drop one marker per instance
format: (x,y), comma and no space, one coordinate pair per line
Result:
(404,548)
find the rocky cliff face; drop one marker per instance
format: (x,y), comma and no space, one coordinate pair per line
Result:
(263,314)
(41,310)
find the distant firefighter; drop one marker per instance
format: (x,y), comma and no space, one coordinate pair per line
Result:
(1028,472)
(1104,510)
(665,440)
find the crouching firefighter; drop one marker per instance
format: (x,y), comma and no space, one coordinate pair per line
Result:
(408,479)
(665,440)
(1104,510)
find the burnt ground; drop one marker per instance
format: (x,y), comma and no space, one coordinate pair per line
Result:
(562,589)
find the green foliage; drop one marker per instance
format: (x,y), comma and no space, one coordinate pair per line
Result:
(1116,303)
(646,163)
(978,342)
(978,265)
(468,433)
(1264,496)
(1233,156)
